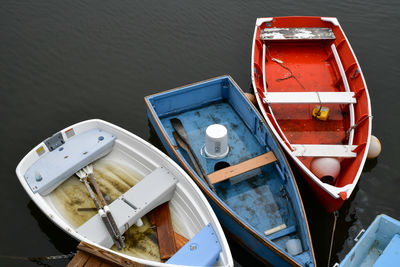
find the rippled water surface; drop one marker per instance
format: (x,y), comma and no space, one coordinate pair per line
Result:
(62,62)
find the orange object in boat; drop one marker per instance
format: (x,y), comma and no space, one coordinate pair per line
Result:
(302,62)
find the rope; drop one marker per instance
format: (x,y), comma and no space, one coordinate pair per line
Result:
(39,259)
(336,215)
(280,62)
(356,125)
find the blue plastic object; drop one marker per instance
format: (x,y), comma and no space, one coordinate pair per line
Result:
(202,250)
(378,246)
(52,168)
(391,254)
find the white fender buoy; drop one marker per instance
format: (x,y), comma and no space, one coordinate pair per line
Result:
(251,98)
(374,148)
(325,167)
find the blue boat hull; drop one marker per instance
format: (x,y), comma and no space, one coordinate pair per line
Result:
(235,212)
(379,246)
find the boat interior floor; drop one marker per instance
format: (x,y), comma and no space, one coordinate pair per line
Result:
(314,71)
(259,199)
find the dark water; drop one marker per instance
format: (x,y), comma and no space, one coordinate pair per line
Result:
(62,62)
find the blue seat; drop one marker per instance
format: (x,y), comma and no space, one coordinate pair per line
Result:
(391,254)
(202,250)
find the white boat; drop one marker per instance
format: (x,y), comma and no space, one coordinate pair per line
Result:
(137,177)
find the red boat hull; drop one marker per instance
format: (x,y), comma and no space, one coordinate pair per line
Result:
(300,55)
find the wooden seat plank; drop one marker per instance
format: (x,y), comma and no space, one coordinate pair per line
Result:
(180,241)
(106,256)
(79,259)
(297,34)
(310,98)
(242,167)
(161,218)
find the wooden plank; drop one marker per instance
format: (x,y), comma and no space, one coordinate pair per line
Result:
(310,98)
(93,262)
(79,259)
(106,264)
(275,229)
(106,255)
(242,167)
(161,218)
(297,34)
(340,151)
(180,241)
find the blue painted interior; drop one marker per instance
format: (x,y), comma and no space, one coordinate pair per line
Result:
(263,201)
(391,254)
(378,246)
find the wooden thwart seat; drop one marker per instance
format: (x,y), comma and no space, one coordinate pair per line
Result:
(242,167)
(310,98)
(341,151)
(297,34)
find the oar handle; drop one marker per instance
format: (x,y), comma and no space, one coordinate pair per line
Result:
(202,172)
(103,215)
(107,210)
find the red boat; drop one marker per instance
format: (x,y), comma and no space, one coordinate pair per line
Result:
(311,91)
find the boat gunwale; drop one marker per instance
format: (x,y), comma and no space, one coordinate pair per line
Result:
(212,195)
(333,191)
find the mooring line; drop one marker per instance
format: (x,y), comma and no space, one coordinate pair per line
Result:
(336,215)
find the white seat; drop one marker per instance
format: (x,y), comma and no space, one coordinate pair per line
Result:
(310,98)
(153,190)
(297,34)
(340,151)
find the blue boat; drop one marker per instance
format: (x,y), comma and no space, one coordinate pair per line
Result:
(246,178)
(379,246)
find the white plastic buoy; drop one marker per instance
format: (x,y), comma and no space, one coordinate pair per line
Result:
(374,148)
(216,141)
(293,247)
(325,167)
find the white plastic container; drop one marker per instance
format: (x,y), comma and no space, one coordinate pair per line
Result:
(293,247)
(216,141)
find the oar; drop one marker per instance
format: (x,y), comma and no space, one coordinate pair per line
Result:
(89,172)
(182,135)
(83,177)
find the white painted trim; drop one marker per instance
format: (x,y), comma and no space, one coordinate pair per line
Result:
(332,20)
(347,87)
(260,21)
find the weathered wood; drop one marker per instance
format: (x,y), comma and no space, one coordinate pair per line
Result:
(79,259)
(106,255)
(297,34)
(180,241)
(161,218)
(242,167)
(93,262)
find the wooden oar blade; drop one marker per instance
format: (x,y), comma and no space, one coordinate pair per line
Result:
(177,125)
